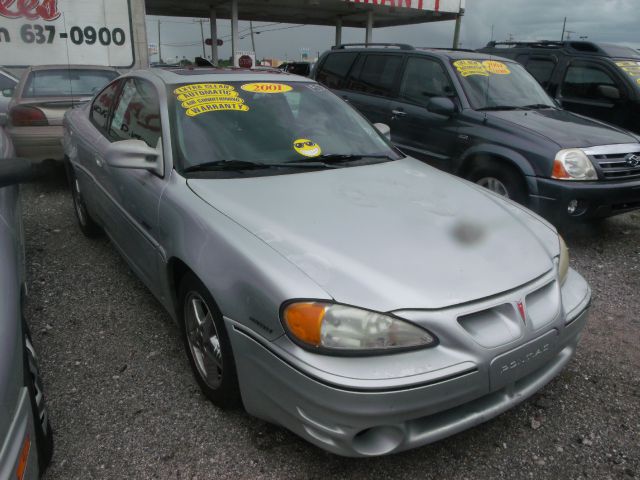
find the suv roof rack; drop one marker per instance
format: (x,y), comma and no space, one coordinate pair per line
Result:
(581,45)
(401,46)
(470,50)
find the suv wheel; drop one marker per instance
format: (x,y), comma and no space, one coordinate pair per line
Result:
(501,179)
(207,344)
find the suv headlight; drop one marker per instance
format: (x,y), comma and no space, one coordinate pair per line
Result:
(333,328)
(563,261)
(573,164)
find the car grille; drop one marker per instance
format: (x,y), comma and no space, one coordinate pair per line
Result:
(615,167)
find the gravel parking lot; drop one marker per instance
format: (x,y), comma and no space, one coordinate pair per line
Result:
(124,404)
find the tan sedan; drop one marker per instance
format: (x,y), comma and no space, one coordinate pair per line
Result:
(40,101)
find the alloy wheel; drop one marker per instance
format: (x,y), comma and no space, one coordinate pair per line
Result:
(493,184)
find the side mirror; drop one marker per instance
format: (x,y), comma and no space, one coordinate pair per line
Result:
(384,129)
(134,154)
(442,106)
(18,170)
(608,91)
(8,92)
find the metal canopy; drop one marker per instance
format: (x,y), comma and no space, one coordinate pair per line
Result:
(314,12)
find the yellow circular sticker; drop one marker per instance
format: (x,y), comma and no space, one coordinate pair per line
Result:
(264,87)
(307,148)
(497,68)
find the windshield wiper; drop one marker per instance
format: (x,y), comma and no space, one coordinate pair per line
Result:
(539,106)
(341,158)
(501,107)
(225,165)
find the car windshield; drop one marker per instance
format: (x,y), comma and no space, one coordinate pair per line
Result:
(630,67)
(66,82)
(498,85)
(263,124)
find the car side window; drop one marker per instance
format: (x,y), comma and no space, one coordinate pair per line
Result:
(583,79)
(375,74)
(423,79)
(102,105)
(335,69)
(137,114)
(541,69)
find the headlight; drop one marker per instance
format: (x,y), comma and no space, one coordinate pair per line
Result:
(341,329)
(563,261)
(573,164)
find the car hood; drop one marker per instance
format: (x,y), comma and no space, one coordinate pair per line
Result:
(566,129)
(389,236)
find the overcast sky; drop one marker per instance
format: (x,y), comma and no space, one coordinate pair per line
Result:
(614,21)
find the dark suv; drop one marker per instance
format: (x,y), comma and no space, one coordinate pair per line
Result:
(488,120)
(597,80)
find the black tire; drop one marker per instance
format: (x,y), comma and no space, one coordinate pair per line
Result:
(208,346)
(508,178)
(87,224)
(33,382)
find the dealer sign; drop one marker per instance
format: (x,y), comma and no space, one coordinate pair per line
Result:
(84,32)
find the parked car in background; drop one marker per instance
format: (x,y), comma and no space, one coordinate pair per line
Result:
(297,68)
(7,85)
(26,439)
(330,284)
(486,119)
(594,79)
(40,101)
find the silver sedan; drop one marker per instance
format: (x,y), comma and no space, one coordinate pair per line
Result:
(322,279)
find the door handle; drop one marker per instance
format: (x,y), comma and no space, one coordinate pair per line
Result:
(345,98)
(99,162)
(398,113)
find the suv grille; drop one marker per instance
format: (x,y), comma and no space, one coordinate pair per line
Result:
(615,166)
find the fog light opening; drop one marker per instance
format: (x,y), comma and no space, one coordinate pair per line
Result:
(378,440)
(572,207)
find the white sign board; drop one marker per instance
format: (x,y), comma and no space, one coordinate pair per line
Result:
(85,32)
(244,59)
(449,6)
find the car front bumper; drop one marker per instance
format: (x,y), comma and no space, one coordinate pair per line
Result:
(20,431)
(365,418)
(38,143)
(595,199)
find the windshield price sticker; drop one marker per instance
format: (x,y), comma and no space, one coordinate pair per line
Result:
(199,98)
(96,32)
(467,68)
(630,68)
(264,87)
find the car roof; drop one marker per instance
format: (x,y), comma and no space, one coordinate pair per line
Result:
(568,47)
(173,76)
(63,66)
(444,53)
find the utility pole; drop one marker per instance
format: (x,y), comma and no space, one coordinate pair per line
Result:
(456,33)
(564,25)
(492,25)
(253,41)
(201,21)
(159,44)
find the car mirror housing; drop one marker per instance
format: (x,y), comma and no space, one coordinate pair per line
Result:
(7,92)
(608,91)
(442,106)
(384,129)
(134,154)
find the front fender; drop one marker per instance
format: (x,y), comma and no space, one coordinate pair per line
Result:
(491,150)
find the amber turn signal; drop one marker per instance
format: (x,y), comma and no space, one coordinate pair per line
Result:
(304,321)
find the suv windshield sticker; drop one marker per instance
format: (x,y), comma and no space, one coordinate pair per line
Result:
(306,147)
(199,98)
(467,68)
(631,68)
(264,87)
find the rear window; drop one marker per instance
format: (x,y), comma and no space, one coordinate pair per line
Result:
(66,83)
